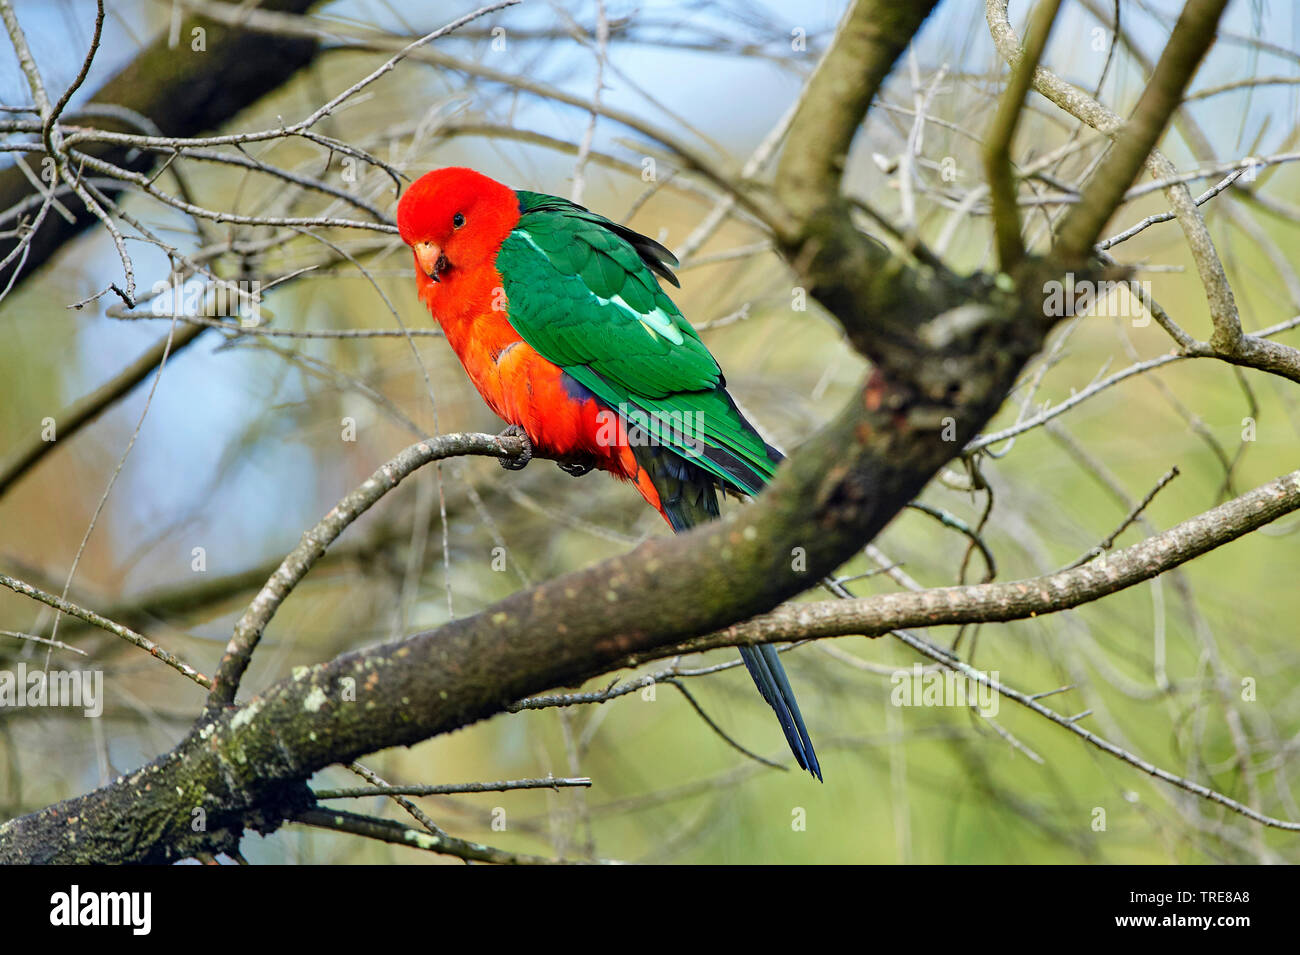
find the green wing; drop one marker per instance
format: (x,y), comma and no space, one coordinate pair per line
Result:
(583,292)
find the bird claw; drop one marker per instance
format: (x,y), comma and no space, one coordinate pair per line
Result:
(574,468)
(519,462)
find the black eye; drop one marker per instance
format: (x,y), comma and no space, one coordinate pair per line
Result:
(457,220)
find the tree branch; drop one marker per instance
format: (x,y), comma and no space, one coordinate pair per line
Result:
(248,631)
(246,767)
(1191,40)
(997,149)
(1228,342)
(872,35)
(179,94)
(85,410)
(1018,599)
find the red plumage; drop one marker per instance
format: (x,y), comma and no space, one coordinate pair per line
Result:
(468,300)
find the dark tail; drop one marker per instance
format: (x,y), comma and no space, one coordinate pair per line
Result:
(765,667)
(688,495)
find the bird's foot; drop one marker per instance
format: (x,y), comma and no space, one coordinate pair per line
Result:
(575,468)
(519,462)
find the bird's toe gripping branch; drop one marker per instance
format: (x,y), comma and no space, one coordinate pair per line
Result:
(575,468)
(520,461)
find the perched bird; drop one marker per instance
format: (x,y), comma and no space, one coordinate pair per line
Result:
(558,316)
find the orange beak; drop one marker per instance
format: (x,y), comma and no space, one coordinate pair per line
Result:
(430,259)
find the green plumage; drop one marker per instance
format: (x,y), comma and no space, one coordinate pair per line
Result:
(583,292)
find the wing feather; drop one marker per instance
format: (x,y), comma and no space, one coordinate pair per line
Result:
(582,292)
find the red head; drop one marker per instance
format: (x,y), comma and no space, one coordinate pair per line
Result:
(455,219)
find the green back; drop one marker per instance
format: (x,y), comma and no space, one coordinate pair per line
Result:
(583,292)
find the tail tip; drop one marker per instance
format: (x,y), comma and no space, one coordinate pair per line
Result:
(808,761)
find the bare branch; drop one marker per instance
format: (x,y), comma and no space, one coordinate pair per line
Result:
(501,786)
(384,830)
(871,37)
(85,410)
(1020,599)
(1182,55)
(248,631)
(127,634)
(997,148)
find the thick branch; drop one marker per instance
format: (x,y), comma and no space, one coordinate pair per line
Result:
(245,767)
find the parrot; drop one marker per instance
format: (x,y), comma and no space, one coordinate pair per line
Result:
(559,317)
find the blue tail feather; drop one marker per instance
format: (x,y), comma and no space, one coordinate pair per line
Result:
(688,495)
(769,676)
